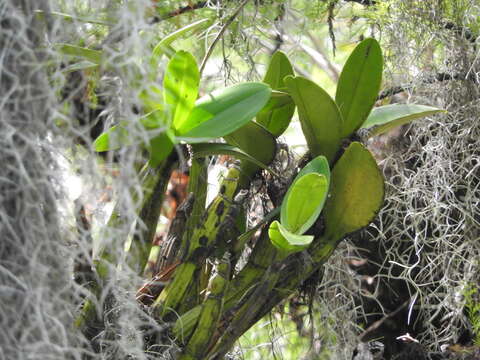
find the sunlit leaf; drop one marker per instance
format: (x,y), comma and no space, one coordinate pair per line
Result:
(277,114)
(356,192)
(359,84)
(385,118)
(224,111)
(304,202)
(319,165)
(287,242)
(180,87)
(319,116)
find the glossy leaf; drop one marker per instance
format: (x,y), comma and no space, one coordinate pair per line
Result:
(112,139)
(305,202)
(180,87)
(385,118)
(319,166)
(255,140)
(356,192)
(319,116)
(276,117)
(224,111)
(359,84)
(93,56)
(159,148)
(286,241)
(208,149)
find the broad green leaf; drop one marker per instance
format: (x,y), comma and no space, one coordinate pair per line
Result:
(319,116)
(224,111)
(387,117)
(305,202)
(180,87)
(317,165)
(159,148)
(287,242)
(207,149)
(356,192)
(93,56)
(277,115)
(165,43)
(359,84)
(255,140)
(320,166)
(112,139)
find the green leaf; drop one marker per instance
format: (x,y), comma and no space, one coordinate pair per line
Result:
(320,166)
(181,87)
(159,148)
(224,111)
(93,56)
(317,165)
(359,84)
(112,139)
(356,192)
(387,117)
(319,116)
(277,115)
(255,140)
(208,149)
(287,242)
(305,202)
(164,44)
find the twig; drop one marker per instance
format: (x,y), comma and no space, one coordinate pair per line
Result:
(331,17)
(378,323)
(220,34)
(363,2)
(180,11)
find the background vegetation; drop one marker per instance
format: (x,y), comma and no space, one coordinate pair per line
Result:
(413,272)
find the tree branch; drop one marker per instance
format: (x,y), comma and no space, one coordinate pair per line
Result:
(363,2)
(180,11)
